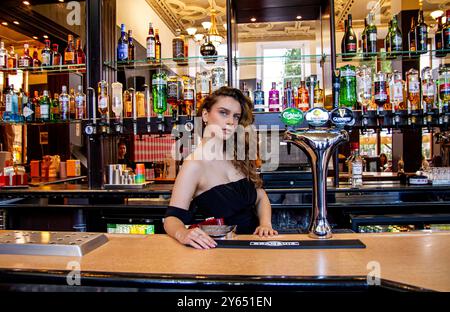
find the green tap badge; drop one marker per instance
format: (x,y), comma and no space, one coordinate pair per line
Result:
(292,116)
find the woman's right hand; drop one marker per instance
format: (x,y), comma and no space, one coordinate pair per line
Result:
(196,238)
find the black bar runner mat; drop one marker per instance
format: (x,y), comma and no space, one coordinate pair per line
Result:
(302,244)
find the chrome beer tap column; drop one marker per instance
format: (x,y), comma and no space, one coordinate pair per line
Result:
(319,146)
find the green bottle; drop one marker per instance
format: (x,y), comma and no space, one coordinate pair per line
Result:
(159,91)
(347,94)
(45,107)
(396,37)
(55,110)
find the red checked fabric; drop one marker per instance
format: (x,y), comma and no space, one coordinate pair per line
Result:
(153,148)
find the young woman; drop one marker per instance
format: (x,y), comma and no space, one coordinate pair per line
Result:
(220,186)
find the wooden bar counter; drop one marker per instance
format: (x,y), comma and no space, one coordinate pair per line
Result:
(412,261)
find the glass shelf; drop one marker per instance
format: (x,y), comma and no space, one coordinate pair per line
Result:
(287,60)
(39,123)
(75,68)
(383,56)
(195,61)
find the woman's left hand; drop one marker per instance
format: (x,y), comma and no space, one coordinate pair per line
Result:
(265,230)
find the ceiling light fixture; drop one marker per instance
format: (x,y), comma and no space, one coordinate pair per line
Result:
(213,33)
(45,37)
(198,37)
(26,2)
(35,38)
(253,19)
(299,17)
(206,25)
(436,14)
(16,22)
(4,23)
(191,31)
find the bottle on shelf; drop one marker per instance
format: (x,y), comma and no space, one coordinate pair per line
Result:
(157,46)
(72,104)
(69,52)
(80,55)
(64,102)
(350,39)
(446,31)
(11,105)
(421,34)
(371,36)
(186,50)
(356,167)
(3,56)
(122,45)
(140,103)
(173,98)
(178,47)
(387,41)
(131,46)
(343,39)
(439,39)
(444,88)
(428,90)
(217,78)
(364,87)
(44,104)
(36,61)
(245,90)
(151,44)
(396,87)
(288,99)
(80,104)
(117,100)
(380,95)
(26,60)
(56,56)
(103,101)
(28,109)
(46,54)
(127,103)
(159,92)
(396,43)
(318,95)
(412,38)
(55,109)
(413,88)
(37,106)
(364,40)
(303,97)
(347,94)
(12,61)
(203,83)
(188,96)
(22,99)
(274,98)
(258,96)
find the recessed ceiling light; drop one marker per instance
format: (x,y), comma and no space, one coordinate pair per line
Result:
(16,22)
(253,19)
(35,38)
(4,23)
(61,0)
(298,17)
(26,2)
(45,37)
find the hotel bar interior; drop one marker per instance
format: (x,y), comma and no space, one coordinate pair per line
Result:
(339,110)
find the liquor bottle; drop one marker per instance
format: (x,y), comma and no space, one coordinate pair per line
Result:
(288,100)
(55,108)
(157,46)
(140,103)
(131,46)
(350,39)
(186,50)
(177,47)
(387,41)
(446,31)
(173,92)
(56,56)
(72,105)
(80,103)
(217,78)
(122,45)
(318,95)
(3,56)
(439,39)
(22,99)
(428,90)
(347,94)
(396,87)
(245,91)
(103,100)
(159,92)
(258,96)
(11,105)
(64,104)
(44,104)
(117,100)
(364,40)
(343,39)
(444,88)
(274,98)
(421,34)
(356,167)
(46,54)
(12,61)
(413,88)
(36,61)
(188,95)
(412,38)
(37,106)
(371,36)
(151,44)
(29,110)
(208,51)
(396,37)
(127,103)
(364,87)
(80,55)
(303,97)
(69,52)
(203,83)
(26,60)
(380,95)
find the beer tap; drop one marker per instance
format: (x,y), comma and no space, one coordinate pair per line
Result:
(148,100)
(117,105)
(103,106)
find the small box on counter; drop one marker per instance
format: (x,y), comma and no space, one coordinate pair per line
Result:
(73,168)
(14,176)
(35,168)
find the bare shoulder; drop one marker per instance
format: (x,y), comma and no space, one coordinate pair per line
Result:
(191,170)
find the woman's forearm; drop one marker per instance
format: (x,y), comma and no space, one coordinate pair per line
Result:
(174,227)
(264,209)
